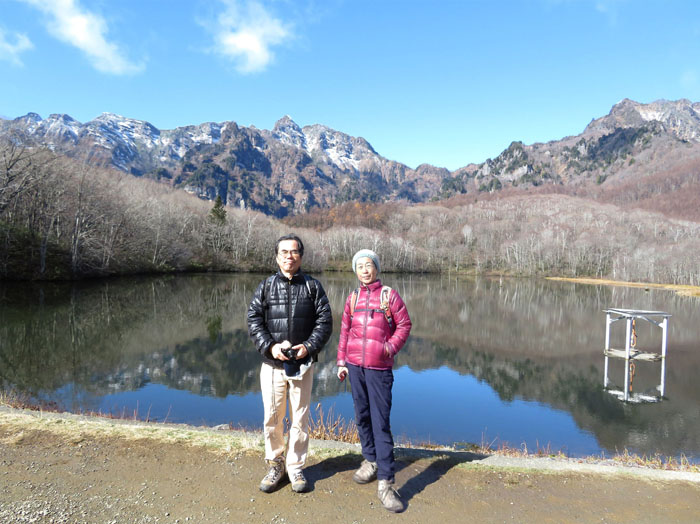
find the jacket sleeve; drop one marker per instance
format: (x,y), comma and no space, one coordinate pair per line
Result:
(323,325)
(403,322)
(344,333)
(257,328)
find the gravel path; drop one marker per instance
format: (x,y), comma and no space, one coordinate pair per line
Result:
(68,469)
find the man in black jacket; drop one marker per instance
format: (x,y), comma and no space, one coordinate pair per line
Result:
(289,321)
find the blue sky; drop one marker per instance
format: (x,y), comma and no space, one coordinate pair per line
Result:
(440,82)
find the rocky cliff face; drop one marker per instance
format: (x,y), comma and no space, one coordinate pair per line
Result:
(679,118)
(291,169)
(633,140)
(284,171)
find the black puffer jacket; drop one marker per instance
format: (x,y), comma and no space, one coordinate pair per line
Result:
(275,317)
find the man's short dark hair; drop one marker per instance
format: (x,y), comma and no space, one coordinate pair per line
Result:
(300,244)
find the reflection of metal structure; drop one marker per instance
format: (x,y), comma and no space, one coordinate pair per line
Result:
(631,354)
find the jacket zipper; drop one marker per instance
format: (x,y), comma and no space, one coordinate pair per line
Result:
(364,328)
(289,310)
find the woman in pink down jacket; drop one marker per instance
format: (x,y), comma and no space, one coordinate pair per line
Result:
(369,338)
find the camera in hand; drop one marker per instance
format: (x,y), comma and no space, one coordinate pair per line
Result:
(289,353)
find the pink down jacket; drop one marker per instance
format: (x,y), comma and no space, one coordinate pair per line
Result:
(368,339)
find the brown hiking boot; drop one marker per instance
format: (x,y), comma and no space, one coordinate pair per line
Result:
(366,473)
(389,497)
(274,475)
(299,484)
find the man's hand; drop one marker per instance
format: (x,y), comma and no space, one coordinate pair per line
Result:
(301,351)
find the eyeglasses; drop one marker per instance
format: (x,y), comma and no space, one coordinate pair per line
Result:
(293,252)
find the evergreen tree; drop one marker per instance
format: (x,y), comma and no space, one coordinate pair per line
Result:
(217,215)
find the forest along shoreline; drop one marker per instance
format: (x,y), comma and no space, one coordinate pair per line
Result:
(62,220)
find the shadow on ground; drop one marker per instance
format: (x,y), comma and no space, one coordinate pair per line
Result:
(424,467)
(330,467)
(438,464)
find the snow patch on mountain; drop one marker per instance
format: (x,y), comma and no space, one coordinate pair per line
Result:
(339,149)
(649,114)
(288,132)
(177,142)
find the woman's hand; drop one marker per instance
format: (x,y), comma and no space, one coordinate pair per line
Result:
(388,349)
(342,373)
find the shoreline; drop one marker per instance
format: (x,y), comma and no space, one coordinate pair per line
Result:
(680,289)
(224,441)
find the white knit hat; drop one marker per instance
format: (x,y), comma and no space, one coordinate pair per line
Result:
(365,253)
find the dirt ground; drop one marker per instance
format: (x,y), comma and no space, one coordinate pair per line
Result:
(59,471)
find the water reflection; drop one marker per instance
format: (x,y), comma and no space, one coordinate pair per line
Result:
(519,361)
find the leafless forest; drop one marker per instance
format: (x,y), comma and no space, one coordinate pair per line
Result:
(60,219)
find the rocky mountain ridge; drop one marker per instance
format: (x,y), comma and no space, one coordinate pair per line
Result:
(280,172)
(632,141)
(290,169)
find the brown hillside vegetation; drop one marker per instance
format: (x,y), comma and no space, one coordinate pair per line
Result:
(371,215)
(558,234)
(675,192)
(525,233)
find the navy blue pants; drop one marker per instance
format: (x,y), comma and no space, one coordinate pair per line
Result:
(371,394)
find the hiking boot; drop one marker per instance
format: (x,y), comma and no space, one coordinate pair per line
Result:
(299,484)
(366,473)
(389,497)
(274,475)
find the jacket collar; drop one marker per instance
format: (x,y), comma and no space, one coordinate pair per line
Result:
(377,284)
(298,276)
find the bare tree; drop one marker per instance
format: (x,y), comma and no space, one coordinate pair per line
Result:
(18,170)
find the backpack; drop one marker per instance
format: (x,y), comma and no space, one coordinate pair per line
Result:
(384,303)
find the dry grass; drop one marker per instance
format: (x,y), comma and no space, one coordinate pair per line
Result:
(655,461)
(75,428)
(330,427)
(14,400)
(683,290)
(624,458)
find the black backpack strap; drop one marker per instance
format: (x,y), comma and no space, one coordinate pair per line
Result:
(266,290)
(313,290)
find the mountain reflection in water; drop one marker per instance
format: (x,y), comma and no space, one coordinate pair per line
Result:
(488,361)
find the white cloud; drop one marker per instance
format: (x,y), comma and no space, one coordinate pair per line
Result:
(246,32)
(73,24)
(10,51)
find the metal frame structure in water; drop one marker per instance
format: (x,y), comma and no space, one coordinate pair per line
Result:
(630,353)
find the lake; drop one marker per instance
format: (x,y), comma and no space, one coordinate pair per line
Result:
(489,361)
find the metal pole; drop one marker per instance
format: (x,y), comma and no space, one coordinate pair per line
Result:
(664,335)
(627,358)
(607,347)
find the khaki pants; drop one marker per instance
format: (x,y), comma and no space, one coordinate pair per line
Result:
(276,387)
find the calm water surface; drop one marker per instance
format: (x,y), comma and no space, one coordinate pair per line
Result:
(488,361)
